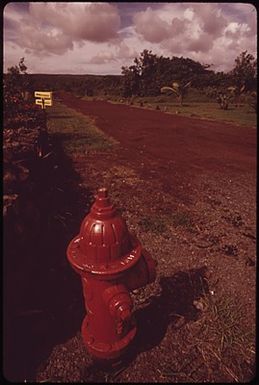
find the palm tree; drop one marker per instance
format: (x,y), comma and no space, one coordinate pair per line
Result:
(253,100)
(236,91)
(177,88)
(223,100)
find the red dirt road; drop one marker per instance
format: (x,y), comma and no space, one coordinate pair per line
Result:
(192,143)
(172,147)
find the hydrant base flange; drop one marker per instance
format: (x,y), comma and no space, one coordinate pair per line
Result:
(104,350)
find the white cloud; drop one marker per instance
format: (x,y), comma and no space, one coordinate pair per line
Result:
(151,26)
(89,38)
(52,28)
(82,21)
(188,14)
(200,30)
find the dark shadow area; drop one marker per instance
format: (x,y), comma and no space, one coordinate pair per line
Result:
(70,136)
(53,116)
(174,307)
(43,300)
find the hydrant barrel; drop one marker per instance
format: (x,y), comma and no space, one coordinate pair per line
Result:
(111,263)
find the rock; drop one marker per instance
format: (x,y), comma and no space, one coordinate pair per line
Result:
(23,173)
(8,202)
(199,304)
(250,262)
(9,178)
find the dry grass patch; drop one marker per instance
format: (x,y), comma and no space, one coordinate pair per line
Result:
(79,132)
(121,174)
(221,339)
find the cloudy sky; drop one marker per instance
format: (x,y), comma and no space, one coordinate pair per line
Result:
(100,38)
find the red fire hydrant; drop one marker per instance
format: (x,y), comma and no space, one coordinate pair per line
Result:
(111,263)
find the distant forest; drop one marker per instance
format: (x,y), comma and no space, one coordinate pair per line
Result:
(83,85)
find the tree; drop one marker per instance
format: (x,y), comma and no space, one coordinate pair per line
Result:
(139,78)
(180,89)
(16,82)
(147,69)
(18,111)
(131,81)
(16,88)
(150,72)
(244,72)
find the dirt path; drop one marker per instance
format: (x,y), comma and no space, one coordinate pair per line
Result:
(171,145)
(187,188)
(191,143)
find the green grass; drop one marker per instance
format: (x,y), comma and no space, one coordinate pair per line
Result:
(207,110)
(200,108)
(79,132)
(182,219)
(154,223)
(211,111)
(159,224)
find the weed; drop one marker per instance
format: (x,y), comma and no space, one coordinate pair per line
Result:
(220,337)
(220,334)
(121,176)
(159,224)
(155,224)
(181,218)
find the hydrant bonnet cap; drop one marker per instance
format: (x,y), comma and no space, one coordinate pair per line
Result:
(104,245)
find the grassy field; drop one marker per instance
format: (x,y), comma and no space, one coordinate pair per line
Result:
(79,132)
(201,109)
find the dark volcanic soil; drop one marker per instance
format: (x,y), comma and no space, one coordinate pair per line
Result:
(187,188)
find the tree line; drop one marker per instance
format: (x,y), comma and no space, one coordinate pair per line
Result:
(150,73)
